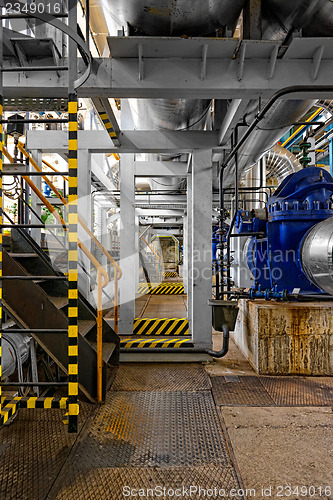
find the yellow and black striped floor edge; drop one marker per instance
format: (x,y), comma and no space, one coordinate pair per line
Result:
(161,289)
(170,274)
(139,341)
(161,326)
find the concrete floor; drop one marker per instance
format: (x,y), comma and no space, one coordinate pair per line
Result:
(277,446)
(283,447)
(161,306)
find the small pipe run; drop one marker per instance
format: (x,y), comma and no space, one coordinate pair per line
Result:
(225,346)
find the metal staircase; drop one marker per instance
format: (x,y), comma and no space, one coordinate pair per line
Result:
(42,304)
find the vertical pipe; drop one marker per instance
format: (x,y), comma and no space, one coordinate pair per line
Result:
(73,331)
(72,47)
(221,243)
(99,338)
(235,214)
(87,22)
(331,155)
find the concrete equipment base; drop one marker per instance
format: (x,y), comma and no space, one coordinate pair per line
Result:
(280,338)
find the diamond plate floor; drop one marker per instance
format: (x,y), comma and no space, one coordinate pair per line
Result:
(155,429)
(146,439)
(112,483)
(32,452)
(161,377)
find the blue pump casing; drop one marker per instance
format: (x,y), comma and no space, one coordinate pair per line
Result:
(301,201)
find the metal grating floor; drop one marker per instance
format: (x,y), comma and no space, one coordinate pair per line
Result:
(161,377)
(240,391)
(273,391)
(300,391)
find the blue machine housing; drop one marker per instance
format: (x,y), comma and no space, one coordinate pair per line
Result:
(302,200)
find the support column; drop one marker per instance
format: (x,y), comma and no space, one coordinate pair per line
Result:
(129,256)
(189,250)
(84,211)
(201,266)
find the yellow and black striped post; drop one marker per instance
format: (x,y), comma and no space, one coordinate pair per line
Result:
(73,332)
(1,162)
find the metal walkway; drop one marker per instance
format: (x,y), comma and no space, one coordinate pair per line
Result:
(163,425)
(159,427)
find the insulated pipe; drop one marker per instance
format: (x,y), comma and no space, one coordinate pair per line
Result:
(271,106)
(265,131)
(317,255)
(282,17)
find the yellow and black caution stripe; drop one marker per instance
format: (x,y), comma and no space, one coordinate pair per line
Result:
(10,406)
(170,274)
(1,207)
(161,326)
(108,125)
(161,289)
(149,343)
(73,311)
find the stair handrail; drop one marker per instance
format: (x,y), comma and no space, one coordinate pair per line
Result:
(64,201)
(54,169)
(117,269)
(101,272)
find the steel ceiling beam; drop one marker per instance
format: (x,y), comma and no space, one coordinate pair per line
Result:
(173,70)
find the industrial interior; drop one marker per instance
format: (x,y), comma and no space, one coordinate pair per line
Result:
(166,249)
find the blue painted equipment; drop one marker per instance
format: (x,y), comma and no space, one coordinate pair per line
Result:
(277,260)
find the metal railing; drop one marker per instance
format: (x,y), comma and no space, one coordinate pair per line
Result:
(117,269)
(101,272)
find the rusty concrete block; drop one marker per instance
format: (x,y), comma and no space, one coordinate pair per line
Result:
(286,338)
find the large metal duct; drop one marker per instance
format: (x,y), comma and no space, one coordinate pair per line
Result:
(267,133)
(316,255)
(281,17)
(172,17)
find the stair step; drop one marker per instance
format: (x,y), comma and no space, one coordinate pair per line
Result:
(23,255)
(85,325)
(59,302)
(108,348)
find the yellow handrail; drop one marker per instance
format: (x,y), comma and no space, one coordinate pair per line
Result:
(118,271)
